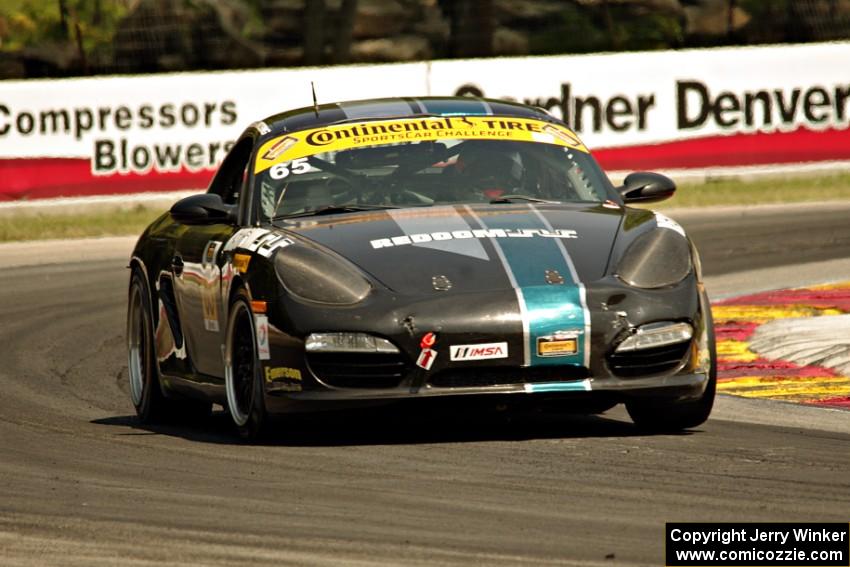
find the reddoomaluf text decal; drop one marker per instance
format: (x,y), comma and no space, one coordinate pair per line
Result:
(424,237)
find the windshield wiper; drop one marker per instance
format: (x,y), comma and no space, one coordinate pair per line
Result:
(333,210)
(520,198)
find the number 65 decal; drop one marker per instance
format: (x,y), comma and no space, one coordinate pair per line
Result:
(295,167)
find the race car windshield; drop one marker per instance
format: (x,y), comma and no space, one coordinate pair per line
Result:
(426,173)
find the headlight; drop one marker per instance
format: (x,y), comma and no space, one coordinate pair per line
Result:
(655,335)
(316,275)
(348,342)
(658,258)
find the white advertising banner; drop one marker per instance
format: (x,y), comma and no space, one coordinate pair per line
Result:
(651,110)
(158,132)
(642,98)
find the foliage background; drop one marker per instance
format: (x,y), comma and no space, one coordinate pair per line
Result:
(50,38)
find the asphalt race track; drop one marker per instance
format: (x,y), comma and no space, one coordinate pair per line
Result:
(82,484)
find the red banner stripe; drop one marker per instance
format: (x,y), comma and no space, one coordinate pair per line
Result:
(43,178)
(758,148)
(40,178)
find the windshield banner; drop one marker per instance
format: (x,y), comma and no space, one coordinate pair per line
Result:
(346,136)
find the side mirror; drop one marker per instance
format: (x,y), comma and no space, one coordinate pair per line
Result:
(206,208)
(645,187)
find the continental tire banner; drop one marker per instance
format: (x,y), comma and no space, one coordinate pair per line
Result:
(695,109)
(344,136)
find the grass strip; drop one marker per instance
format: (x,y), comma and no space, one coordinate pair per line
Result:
(117,222)
(756,192)
(127,221)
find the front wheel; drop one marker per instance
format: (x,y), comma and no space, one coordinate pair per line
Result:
(243,379)
(675,416)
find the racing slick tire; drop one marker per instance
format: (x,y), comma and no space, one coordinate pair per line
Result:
(675,416)
(242,372)
(145,389)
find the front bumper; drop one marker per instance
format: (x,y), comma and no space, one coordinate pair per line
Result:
(612,313)
(673,387)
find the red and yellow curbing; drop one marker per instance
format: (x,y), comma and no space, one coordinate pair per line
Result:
(744,372)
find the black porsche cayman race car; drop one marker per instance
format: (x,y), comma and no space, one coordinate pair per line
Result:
(378,250)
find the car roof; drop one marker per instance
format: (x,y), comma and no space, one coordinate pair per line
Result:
(403,107)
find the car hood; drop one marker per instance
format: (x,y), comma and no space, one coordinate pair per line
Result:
(471,247)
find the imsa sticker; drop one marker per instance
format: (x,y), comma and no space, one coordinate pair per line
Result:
(484,351)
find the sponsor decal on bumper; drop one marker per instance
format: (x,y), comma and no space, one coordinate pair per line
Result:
(426,358)
(261,323)
(478,352)
(559,344)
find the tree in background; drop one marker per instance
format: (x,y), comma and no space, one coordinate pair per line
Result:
(344,32)
(316,28)
(59,37)
(472,24)
(314,31)
(44,38)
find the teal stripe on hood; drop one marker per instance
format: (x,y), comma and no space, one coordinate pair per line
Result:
(549,308)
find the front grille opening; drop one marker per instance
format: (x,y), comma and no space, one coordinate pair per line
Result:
(648,361)
(483,376)
(359,370)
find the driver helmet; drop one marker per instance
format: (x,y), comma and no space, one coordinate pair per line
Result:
(490,168)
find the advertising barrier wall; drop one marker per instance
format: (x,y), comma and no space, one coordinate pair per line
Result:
(694,109)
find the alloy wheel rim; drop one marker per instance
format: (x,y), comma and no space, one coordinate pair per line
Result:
(239,370)
(136,347)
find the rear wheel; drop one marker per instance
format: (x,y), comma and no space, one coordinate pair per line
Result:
(151,406)
(145,390)
(674,416)
(243,379)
